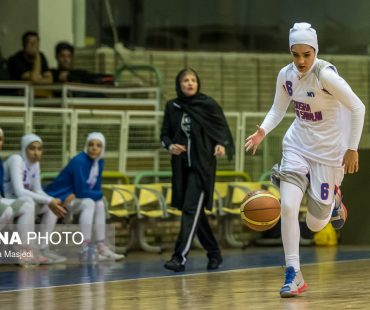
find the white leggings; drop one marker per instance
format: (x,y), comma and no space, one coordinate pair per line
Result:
(22,212)
(91,213)
(6,217)
(48,222)
(291,197)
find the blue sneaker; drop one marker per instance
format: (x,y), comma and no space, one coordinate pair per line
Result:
(339,214)
(294,283)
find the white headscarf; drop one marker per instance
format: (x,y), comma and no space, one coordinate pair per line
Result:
(303,33)
(94,171)
(25,142)
(32,169)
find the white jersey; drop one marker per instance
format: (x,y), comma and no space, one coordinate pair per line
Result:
(320,99)
(23,181)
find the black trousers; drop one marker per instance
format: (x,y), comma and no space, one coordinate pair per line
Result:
(194,221)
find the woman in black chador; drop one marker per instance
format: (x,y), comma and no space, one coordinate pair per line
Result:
(195,132)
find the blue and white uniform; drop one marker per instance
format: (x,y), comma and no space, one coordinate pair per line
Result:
(22,179)
(82,177)
(318,98)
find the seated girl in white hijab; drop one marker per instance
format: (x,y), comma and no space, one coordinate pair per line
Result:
(20,212)
(22,179)
(78,185)
(6,211)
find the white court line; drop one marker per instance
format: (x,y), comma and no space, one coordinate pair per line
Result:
(175,276)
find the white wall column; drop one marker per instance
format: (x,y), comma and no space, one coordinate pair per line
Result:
(79,22)
(55,22)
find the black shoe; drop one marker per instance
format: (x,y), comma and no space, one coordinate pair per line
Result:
(214,263)
(174,264)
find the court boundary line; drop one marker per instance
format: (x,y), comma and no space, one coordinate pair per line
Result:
(175,276)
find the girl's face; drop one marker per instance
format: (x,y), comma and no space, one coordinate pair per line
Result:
(94,148)
(303,57)
(34,152)
(189,84)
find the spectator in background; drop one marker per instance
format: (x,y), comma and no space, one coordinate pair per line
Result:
(4,72)
(30,64)
(65,72)
(4,76)
(64,53)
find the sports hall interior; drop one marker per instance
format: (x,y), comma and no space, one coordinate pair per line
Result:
(137,176)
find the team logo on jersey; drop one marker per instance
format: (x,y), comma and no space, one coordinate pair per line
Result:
(310,94)
(303,111)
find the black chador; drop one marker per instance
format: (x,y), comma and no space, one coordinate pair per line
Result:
(198,123)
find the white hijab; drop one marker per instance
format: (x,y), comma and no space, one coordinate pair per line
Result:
(94,171)
(32,169)
(303,33)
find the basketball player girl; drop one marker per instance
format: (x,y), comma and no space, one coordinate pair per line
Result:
(19,211)
(78,185)
(6,211)
(316,151)
(195,132)
(22,179)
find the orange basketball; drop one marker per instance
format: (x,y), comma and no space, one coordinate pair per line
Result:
(260,210)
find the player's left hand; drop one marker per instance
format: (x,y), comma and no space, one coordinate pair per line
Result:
(219,150)
(350,161)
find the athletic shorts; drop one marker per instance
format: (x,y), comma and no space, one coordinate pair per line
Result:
(316,179)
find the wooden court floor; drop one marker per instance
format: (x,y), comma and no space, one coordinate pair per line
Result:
(332,285)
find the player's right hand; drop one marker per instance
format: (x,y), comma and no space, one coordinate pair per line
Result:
(254,140)
(177,149)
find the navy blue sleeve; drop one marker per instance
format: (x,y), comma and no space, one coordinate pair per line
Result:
(81,171)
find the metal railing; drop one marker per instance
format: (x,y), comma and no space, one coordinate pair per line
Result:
(71,95)
(132,138)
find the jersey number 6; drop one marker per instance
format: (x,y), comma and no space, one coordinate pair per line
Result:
(324,191)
